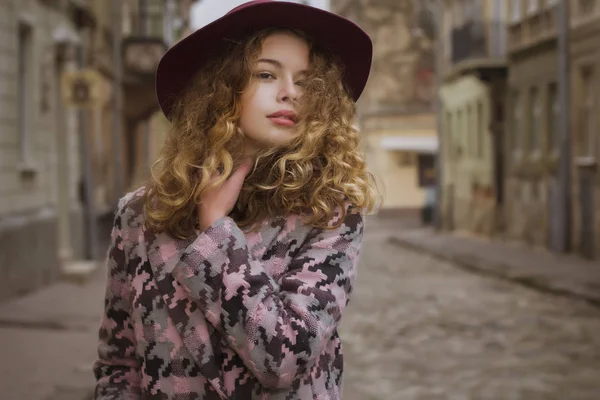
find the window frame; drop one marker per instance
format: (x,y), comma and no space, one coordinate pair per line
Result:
(25,91)
(553,116)
(587,104)
(533,6)
(516,13)
(535,139)
(516,116)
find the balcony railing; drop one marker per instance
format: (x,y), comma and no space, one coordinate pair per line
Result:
(477,40)
(144,43)
(583,7)
(532,30)
(583,11)
(147,25)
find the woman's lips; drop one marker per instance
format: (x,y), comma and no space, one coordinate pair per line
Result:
(283,121)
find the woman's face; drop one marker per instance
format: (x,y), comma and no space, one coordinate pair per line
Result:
(270,102)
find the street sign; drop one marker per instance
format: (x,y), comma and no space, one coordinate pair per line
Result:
(84,88)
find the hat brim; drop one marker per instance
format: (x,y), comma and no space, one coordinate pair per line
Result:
(330,31)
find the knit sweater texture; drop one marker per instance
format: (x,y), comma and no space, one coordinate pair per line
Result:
(226,314)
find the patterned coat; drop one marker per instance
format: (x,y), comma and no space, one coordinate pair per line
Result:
(226,314)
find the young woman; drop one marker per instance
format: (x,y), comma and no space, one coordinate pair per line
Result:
(229,271)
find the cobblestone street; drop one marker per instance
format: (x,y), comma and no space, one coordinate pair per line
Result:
(420,328)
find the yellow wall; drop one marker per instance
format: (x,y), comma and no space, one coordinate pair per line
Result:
(400,182)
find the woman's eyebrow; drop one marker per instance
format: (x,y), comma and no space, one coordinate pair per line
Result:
(271,61)
(277,64)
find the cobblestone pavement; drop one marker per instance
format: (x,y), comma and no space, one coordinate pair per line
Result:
(419,328)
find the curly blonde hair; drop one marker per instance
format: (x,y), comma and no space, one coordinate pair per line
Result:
(320,171)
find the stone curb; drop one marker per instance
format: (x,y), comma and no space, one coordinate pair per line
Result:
(478,265)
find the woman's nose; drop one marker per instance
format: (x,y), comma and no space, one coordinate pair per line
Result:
(288,91)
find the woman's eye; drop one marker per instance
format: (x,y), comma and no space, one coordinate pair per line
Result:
(265,75)
(301,83)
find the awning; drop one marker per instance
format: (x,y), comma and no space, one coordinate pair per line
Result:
(418,144)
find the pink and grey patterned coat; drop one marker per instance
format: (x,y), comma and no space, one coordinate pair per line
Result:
(226,314)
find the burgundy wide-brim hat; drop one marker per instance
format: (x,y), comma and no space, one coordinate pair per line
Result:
(329,31)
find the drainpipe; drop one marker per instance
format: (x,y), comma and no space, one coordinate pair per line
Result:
(91,217)
(117,100)
(561,238)
(439,162)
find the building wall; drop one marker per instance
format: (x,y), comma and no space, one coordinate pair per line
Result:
(401,88)
(468,159)
(585,72)
(101,59)
(159,126)
(398,170)
(144,135)
(472,94)
(30,158)
(531,145)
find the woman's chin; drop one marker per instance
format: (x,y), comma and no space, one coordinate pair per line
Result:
(266,145)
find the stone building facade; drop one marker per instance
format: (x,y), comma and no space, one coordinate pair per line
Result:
(50,150)
(396,112)
(585,120)
(40,163)
(473,70)
(145,127)
(158,125)
(533,145)
(532,114)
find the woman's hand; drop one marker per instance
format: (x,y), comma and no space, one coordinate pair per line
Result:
(219,201)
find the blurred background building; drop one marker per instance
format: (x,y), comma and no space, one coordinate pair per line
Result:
(490,104)
(396,110)
(486,111)
(473,81)
(76,102)
(506,132)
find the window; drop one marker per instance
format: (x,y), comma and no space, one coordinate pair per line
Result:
(469,10)
(469,131)
(406,159)
(24,90)
(497,39)
(587,7)
(447,40)
(552,115)
(151,18)
(536,119)
(533,6)
(426,170)
(516,139)
(126,18)
(587,111)
(460,129)
(515,10)
(457,14)
(481,131)
(449,137)
(477,9)
(498,10)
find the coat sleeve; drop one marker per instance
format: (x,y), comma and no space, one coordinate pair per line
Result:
(116,369)
(278,328)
